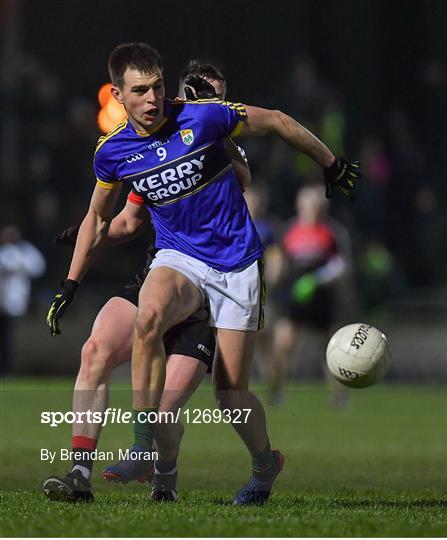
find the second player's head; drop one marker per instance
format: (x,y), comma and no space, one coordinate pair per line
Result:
(136,72)
(208,72)
(311,204)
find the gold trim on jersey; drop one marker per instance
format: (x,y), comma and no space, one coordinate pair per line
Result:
(237,129)
(262,293)
(169,162)
(151,132)
(107,185)
(179,101)
(239,107)
(110,134)
(218,175)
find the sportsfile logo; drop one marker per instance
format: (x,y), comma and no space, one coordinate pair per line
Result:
(172,181)
(119,416)
(111,415)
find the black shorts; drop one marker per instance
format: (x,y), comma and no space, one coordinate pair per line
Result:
(317,313)
(192,337)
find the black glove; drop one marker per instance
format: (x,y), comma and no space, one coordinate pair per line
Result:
(62,300)
(342,174)
(68,236)
(202,88)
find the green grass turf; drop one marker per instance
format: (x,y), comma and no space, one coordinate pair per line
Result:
(376,468)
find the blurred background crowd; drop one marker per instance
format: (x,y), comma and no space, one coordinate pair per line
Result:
(368,77)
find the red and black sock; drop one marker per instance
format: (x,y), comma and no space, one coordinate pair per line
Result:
(83,448)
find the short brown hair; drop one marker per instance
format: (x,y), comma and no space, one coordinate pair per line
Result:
(206,71)
(139,56)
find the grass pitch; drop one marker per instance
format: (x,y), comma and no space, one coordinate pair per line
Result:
(375,468)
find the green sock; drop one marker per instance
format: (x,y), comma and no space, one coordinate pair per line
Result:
(142,428)
(262,461)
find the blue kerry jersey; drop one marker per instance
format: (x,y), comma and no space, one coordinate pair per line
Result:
(185,177)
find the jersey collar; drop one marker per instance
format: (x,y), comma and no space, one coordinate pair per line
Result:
(151,131)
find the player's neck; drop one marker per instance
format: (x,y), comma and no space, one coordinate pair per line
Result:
(146,129)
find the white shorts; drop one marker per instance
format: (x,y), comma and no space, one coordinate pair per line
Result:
(236,299)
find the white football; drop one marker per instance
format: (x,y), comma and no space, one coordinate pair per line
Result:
(358,355)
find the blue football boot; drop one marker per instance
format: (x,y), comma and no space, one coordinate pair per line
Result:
(131,470)
(256,491)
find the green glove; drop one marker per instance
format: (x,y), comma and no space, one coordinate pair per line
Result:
(304,288)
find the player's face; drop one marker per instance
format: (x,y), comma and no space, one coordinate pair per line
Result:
(311,205)
(142,95)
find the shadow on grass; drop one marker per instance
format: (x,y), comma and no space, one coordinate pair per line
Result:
(304,502)
(369,503)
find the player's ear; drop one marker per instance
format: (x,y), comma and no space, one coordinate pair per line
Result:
(117,94)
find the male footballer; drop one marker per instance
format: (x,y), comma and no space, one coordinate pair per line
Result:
(209,251)
(189,346)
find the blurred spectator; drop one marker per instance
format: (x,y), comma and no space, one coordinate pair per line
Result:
(378,280)
(333,126)
(314,265)
(433,116)
(20,261)
(257,198)
(306,93)
(429,240)
(407,168)
(371,203)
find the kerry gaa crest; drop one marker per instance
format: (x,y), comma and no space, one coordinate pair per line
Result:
(187,136)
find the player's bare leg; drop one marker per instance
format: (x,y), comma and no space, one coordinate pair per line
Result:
(183,376)
(166,298)
(284,336)
(108,346)
(231,378)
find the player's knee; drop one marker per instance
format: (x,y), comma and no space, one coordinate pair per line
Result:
(148,323)
(224,382)
(97,359)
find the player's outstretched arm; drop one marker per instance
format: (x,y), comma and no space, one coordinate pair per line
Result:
(338,172)
(260,121)
(127,225)
(93,230)
(91,234)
